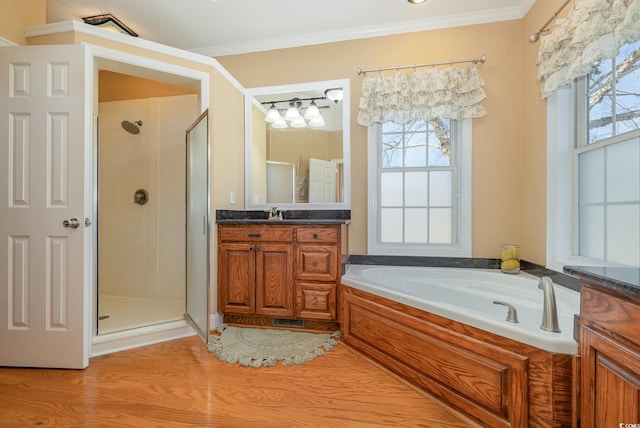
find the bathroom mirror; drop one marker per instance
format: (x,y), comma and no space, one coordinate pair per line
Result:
(298,163)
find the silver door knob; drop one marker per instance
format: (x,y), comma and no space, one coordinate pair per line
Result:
(72,223)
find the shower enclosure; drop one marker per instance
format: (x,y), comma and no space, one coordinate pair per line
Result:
(141,211)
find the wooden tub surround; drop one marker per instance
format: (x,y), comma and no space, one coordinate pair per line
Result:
(497,381)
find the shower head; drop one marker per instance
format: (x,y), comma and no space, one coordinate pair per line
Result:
(131,127)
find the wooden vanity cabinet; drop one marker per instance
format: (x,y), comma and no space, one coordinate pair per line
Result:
(610,358)
(255,270)
(281,271)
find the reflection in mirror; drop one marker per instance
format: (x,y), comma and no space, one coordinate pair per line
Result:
(297,146)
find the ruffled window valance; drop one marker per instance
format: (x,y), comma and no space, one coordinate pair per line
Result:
(592,31)
(426,94)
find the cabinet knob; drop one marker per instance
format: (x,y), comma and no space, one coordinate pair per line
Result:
(314,264)
(315,236)
(314,302)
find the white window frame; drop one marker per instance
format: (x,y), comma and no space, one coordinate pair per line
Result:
(562,182)
(462,196)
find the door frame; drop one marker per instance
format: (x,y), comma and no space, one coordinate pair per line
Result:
(101,58)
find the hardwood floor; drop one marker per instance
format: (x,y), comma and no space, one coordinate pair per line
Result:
(180,383)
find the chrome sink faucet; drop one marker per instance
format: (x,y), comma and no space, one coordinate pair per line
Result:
(275,214)
(549,309)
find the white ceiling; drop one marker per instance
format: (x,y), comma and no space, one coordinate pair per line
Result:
(223,27)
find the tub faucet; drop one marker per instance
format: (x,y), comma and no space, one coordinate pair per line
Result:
(512,315)
(549,309)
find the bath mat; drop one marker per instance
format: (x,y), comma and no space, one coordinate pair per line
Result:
(256,347)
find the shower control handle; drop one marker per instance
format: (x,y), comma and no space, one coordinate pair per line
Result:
(72,223)
(141,197)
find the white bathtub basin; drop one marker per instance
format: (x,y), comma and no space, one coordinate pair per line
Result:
(467,295)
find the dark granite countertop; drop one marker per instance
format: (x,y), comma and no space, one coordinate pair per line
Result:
(618,279)
(283,221)
(288,217)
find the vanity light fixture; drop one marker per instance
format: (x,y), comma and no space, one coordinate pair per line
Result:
(416,1)
(109,22)
(334,94)
(296,113)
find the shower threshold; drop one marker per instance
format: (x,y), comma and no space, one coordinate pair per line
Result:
(119,313)
(137,337)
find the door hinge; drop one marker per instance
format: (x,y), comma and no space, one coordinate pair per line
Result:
(87,222)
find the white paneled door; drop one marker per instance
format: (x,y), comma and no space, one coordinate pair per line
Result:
(44,176)
(322,181)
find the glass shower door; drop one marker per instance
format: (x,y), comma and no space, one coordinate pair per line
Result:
(198,226)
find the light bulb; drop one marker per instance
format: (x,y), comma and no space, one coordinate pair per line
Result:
(299,123)
(317,122)
(312,111)
(279,123)
(292,114)
(273,114)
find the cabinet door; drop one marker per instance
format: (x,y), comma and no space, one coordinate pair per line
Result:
(236,283)
(610,381)
(274,280)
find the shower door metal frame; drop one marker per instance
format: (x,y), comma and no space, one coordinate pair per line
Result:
(200,320)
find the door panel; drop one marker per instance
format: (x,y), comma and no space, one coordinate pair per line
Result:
(198,226)
(274,280)
(44,122)
(236,279)
(322,181)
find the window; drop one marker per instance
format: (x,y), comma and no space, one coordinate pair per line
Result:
(601,206)
(419,196)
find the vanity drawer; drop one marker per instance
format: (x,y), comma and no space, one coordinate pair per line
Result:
(316,234)
(316,301)
(255,233)
(316,262)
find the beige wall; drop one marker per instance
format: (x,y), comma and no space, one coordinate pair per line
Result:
(534,141)
(500,183)
(117,87)
(16,15)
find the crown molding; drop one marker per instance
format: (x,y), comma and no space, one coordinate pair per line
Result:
(6,42)
(81,27)
(482,17)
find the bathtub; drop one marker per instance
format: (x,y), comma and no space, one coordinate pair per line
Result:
(466,296)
